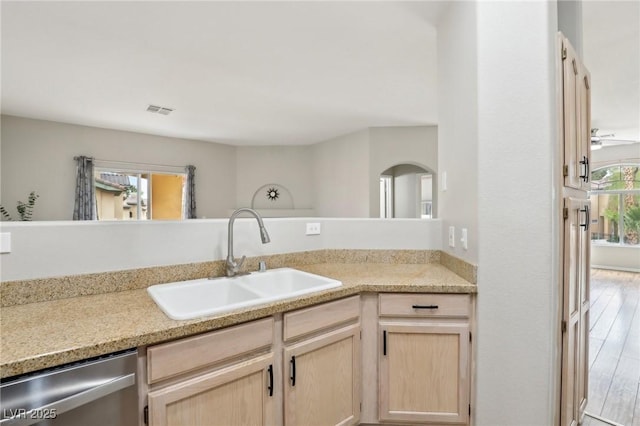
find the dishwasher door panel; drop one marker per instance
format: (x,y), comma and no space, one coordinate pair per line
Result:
(98,392)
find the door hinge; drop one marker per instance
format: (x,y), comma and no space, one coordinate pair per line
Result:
(469,409)
(564,53)
(564,326)
(361,407)
(565,213)
(565,170)
(360,334)
(469,337)
(146,414)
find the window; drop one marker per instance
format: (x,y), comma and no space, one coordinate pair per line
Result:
(138,194)
(615,203)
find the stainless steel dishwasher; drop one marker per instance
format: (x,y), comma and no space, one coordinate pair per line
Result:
(100,392)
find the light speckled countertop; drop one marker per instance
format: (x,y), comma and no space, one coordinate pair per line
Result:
(45,334)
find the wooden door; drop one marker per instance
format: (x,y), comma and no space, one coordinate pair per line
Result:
(584,121)
(323,382)
(575,316)
(577,119)
(239,395)
(424,372)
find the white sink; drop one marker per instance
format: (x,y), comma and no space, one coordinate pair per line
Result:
(286,282)
(196,298)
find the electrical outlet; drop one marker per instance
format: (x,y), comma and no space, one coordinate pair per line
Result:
(452,236)
(463,239)
(313,229)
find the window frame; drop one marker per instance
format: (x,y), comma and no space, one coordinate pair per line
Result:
(139,170)
(621,205)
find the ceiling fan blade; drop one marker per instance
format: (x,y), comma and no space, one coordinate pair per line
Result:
(604,141)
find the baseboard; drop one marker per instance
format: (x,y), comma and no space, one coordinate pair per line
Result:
(615,268)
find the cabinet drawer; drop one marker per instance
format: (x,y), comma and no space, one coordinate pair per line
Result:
(425,305)
(308,320)
(173,358)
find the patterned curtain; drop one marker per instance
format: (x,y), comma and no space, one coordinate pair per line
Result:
(85,205)
(190,193)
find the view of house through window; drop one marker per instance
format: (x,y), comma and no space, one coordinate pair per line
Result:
(615,204)
(139,195)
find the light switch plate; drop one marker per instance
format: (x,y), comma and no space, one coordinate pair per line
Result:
(452,236)
(5,242)
(463,238)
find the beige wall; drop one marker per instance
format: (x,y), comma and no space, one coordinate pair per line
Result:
(458,126)
(38,155)
(108,205)
(166,196)
(406,191)
(341,176)
(288,166)
(334,178)
(621,258)
(338,177)
(391,146)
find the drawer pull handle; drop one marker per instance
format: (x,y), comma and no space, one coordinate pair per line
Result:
(384,342)
(270,387)
(425,306)
(293,370)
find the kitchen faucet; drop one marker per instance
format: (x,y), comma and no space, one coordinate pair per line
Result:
(231,265)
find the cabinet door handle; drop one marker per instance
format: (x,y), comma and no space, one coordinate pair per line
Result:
(384,342)
(425,306)
(293,370)
(587,218)
(585,163)
(588,174)
(270,387)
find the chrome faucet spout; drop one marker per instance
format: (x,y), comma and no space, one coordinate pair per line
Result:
(232,266)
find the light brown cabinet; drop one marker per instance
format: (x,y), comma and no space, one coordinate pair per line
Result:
(576,106)
(576,145)
(221,378)
(323,382)
(304,367)
(235,395)
(575,314)
(233,376)
(424,358)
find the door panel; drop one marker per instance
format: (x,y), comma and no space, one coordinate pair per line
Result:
(575,316)
(234,396)
(323,384)
(424,372)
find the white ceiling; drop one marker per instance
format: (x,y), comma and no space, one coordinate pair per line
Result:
(611,38)
(264,72)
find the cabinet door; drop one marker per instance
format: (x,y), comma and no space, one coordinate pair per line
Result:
(240,394)
(575,311)
(323,384)
(576,119)
(424,372)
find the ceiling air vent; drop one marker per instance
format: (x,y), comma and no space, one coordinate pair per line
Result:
(159,109)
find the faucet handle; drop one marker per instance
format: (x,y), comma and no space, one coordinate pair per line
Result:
(262,266)
(239,264)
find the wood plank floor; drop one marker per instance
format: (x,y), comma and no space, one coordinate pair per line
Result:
(614,348)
